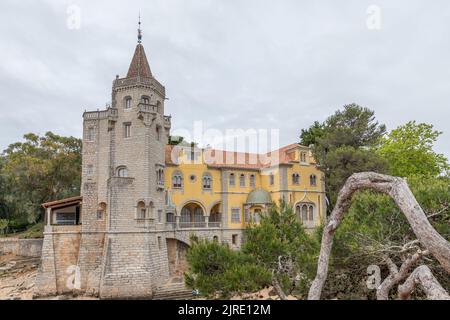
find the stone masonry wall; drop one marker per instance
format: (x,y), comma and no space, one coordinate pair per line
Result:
(21,247)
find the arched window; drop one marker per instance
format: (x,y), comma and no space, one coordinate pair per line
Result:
(311,213)
(272,179)
(101,211)
(185,215)
(122,172)
(141,210)
(242,180)
(207,181)
(232,179)
(151,210)
(295,178)
(304,212)
(177,180)
(198,215)
(145,100)
(252,181)
(127,102)
(313,180)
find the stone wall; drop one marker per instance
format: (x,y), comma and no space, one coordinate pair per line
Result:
(21,247)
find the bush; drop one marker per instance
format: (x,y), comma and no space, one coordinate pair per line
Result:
(217,269)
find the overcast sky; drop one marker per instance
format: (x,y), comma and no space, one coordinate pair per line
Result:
(231,63)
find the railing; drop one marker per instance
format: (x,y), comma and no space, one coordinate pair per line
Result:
(214,224)
(101,114)
(192,225)
(145,107)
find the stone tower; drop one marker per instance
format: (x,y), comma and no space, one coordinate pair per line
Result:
(123,188)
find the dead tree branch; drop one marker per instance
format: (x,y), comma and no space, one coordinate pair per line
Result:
(398,189)
(423,277)
(395,275)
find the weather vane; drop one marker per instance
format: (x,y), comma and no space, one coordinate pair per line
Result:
(139,29)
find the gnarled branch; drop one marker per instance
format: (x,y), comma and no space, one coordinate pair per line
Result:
(423,277)
(395,275)
(398,189)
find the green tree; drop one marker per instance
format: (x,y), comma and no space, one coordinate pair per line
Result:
(280,244)
(344,144)
(409,151)
(309,136)
(276,248)
(37,170)
(217,270)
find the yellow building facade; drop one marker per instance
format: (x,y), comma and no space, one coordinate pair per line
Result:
(211,188)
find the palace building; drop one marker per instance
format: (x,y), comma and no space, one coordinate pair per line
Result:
(142,199)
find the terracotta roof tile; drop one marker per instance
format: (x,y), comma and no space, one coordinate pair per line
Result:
(237,160)
(139,65)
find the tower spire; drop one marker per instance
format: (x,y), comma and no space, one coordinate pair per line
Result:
(139,29)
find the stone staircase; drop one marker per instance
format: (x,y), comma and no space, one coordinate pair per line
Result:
(174,290)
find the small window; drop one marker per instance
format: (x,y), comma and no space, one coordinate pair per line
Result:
(207,182)
(234,239)
(159,243)
(122,172)
(313,180)
(101,211)
(127,130)
(159,216)
(128,103)
(170,217)
(145,100)
(296,179)
(232,179)
(272,179)
(235,215)
(252,181)
(242,180)
(177,181)
(141,211)
(160,177)
(90,134)
(303,157)
(158,133)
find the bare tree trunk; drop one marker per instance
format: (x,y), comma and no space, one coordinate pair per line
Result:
(278,289)
(395,275)
(423,277)
(398,189)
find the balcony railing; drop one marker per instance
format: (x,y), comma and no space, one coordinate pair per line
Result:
(101,114)
(147,108)
(192,225)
